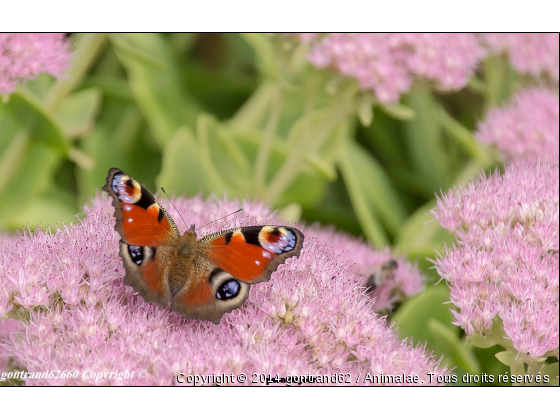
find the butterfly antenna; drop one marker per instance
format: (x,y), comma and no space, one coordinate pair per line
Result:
(174,207)
(227,215)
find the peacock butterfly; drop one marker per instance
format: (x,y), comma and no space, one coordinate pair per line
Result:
(203,278)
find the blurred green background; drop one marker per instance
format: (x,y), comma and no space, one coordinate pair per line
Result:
(246,114)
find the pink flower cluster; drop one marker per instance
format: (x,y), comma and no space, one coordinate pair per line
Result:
(313,317)
(387,63)
(405,281)
(530,53)
(527,127)
(506,261)
(25,55)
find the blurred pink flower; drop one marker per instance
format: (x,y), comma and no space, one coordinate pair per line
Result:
(313,317)
(506,261)
(25,55)
(530,53)
(526,127)
(387,63)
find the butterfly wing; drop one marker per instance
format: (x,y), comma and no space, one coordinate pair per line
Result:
(148,234)
(228,262)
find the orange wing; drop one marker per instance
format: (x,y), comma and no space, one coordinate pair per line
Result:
(251,254)
(140,219)
(145,227)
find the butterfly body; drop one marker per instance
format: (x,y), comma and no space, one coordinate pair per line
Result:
(203,278)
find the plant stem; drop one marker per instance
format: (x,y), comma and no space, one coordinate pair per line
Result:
(266,144)
(290,169)
(86,49)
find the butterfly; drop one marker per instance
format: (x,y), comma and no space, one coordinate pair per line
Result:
(203,278)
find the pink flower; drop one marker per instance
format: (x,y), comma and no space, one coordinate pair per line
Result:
(25,55)
(312,318)
(506,261)
(404,281)
(7,328)
(527,127)
(387,64)
(530,53)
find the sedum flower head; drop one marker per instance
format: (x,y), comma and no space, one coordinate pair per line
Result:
(387,64)
(505,263)
(405,281)
(24,56)
(313,317)
(529,53)
(526,127)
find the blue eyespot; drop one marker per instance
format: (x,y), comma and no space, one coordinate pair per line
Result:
(228,290)
(136,253)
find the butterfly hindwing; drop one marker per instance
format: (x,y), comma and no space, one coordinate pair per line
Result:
(229,261)
(209,293)
(147,271)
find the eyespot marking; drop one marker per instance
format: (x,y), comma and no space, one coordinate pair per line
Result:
(228,290)
(277,239)
(136,253)
(127,189)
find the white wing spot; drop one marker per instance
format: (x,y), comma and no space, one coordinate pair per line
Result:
(129,220)
(266,254)
(257,262)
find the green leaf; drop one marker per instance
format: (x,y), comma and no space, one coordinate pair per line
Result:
(31,176)
(413,315)
(446,342)
(496,70)
(481,342)
(421,233)
(552,371)
(399,111)
(155,83)
(253,111)
(326,169)
(370,190)
(463,137)
(118,140)
(110,86)
(425,143)
(356,184)
(365,110)
(265,52)
(182,170)
(76,113)
(183,42)
(308,186)
(223,160)
(509,359)
(426,317)
(32,146)
(37,121)
(87,46)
